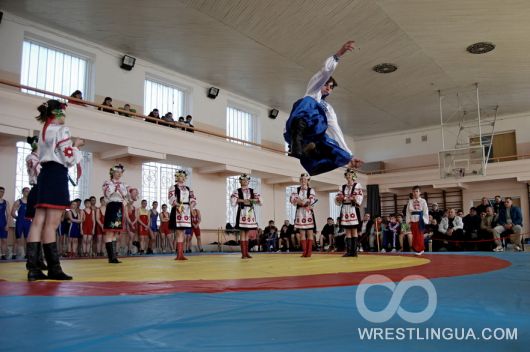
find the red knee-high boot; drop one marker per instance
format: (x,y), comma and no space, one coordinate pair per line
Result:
(304,247)
(242,245)
(246,250)
(180,252)
(309,246)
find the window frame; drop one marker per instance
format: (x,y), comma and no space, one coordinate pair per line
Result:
(88,92)
(185,89)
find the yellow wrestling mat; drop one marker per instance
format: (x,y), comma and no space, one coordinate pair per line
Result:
(216,267)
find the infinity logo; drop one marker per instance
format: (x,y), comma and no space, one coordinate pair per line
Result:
(398,291)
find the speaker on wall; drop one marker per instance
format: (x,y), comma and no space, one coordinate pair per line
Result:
(273,113)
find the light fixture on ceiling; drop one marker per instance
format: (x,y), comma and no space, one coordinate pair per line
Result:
(127,62)
(480,48)
(384,68)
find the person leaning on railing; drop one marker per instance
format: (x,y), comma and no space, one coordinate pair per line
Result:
(107,102)
(126,107)
(78,95)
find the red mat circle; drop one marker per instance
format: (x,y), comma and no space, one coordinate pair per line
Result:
(440,265)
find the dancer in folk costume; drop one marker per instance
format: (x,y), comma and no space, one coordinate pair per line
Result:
(182,200)
(33,168)
(312,130)
(115,192)
(417,218)
(304,220)
(57,153)
(245,198)
(349,196)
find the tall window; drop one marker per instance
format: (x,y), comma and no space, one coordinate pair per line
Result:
(163,97)
(78,189)
(290,210)
(52,70)
(21,178)
(157,178)
(334,210)
(241,124)
(232,184)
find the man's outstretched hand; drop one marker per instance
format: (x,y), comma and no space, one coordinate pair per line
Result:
(355,163)
(348,46)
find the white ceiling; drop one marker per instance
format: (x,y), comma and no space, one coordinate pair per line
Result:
(267,50)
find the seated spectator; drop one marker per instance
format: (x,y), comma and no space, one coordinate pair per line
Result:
(168,117)
(327,235)
(285,237)
(295,238)
(391,235)
(253,239)
(188,122)
(182,123)
(107,102)
(510,221)
(487,229)
(155,115)
(436,212)
(126,107)
(498,205)
(270,234)
(451,228)
(484,203)
(404,230)
(471,226)
(78,95)
(365,230)
(340,233)
(430,232)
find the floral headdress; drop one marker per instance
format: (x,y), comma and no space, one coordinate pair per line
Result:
(34,142)
(117,167)
(350,173)
(179,173)
(305,175)
(244,177)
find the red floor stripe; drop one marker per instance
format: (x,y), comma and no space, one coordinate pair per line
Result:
(443,265)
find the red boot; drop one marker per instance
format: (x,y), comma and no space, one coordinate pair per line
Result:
(246,250)
(309,246)
(304,248)
(180,252)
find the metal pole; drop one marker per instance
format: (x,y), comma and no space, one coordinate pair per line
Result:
(480,127)
(440,97)
(491,141)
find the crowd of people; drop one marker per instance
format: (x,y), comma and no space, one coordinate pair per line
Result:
(184,123)
(490,226)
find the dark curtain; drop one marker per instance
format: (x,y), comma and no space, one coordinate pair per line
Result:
(373,203)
